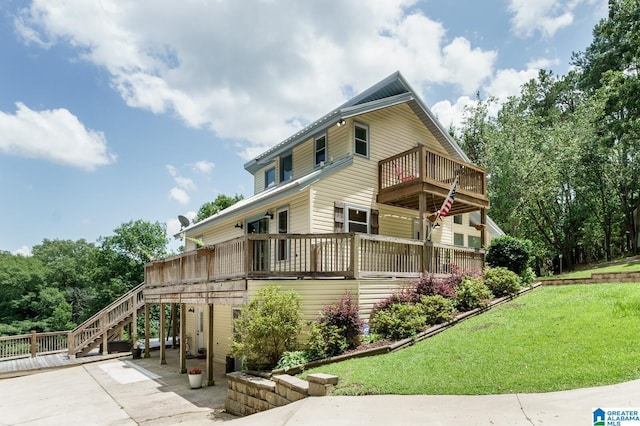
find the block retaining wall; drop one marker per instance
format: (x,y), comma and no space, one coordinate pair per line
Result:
(248,394)
(597,278)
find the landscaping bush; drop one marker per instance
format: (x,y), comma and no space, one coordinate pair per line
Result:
(336,330)
(527,276)
(436,309)
(472,293)
(325,340)
(430,285)
(405,295)
(345,314)
(291,359)
(398,321)
(501,281)
(509,252)
(267,327)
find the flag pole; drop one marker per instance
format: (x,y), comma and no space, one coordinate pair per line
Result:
(449,201)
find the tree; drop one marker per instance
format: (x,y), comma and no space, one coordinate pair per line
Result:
(267,327)
(69,266)
(212,207)
(610,72)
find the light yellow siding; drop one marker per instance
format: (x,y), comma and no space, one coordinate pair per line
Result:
(223,332)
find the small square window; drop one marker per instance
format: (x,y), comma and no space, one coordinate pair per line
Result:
(457,219)
(458,239)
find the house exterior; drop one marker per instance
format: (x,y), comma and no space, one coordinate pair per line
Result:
(343,205)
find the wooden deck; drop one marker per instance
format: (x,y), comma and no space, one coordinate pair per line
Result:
(24,366)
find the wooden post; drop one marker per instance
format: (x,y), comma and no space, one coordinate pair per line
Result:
(210,381)
(422,211)
(161,338)
(355,248)
(183,339)
(174,324)
(147,328)
(133,334)
(70,344)
(104,320)
(34,344)
(483,220)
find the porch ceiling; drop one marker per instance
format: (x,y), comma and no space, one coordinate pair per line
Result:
(407,195)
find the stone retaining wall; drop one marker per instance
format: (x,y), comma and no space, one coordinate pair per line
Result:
(597,278)
(248,394)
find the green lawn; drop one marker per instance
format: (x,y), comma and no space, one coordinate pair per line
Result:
(550,339)
(625,267)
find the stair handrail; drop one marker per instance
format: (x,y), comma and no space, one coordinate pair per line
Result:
(103,315)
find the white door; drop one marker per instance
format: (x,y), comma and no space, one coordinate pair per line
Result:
(199,330)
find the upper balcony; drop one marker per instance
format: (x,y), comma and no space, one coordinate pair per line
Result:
(404,178)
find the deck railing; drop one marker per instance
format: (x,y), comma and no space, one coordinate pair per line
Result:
(347,255)
(433,168)
(33,344)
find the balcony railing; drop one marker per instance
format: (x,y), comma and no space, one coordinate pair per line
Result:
(348,255)
(405,175)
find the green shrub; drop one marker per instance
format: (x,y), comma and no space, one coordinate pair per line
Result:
(527,276)
(267,327)
(501,281)
(472,293)
(436,309)
(291,359)
(511,253)
(398,321)
(325,340)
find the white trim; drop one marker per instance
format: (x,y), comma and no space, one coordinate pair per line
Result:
(348,207)
(357,124)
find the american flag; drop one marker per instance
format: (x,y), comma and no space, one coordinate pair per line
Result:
(444,210)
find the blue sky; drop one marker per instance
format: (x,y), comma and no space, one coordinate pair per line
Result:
(118,111)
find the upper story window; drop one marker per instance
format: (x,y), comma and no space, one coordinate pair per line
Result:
(286,167)
(458,239)
(320,149)
(361,138)
(457,219)
(270,177)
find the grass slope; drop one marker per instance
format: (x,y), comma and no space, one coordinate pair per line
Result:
(624,267)
(553,338)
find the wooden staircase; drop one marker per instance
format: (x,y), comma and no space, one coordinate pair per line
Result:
(106,324)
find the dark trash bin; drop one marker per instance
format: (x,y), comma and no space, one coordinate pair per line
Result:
(231,364)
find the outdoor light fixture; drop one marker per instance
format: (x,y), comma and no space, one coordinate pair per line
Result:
(268,215)
(239,225)
(341,122)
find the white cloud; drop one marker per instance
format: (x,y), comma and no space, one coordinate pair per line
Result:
(203,166)
(54,135)
(179,195)
(452,114)
(545,16)
(255,74)
(183,182)
(23,251)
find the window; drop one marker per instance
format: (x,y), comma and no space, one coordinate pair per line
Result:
(361,138)
(474,218)
(320,145)
(282,218)
(458,239)
(474,241)
(286,167)
(457,219)
(357,220)
(270,177)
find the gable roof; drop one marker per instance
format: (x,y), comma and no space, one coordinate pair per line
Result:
(390,91)
(269,195)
